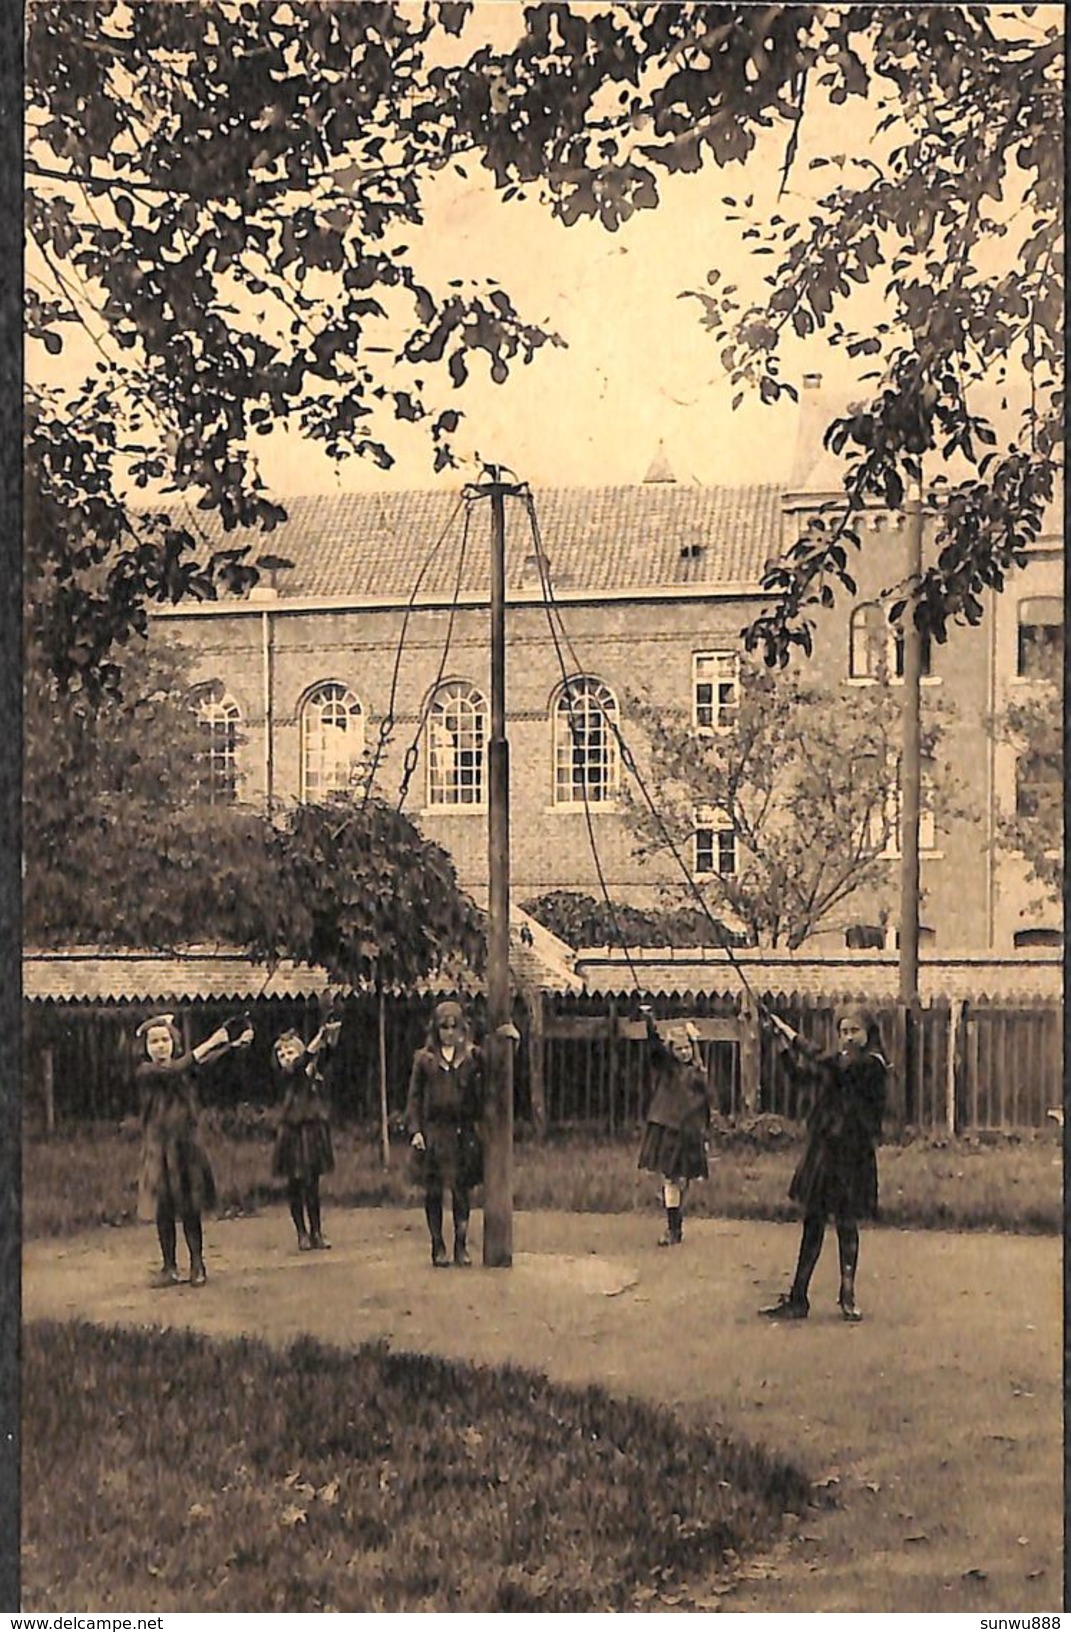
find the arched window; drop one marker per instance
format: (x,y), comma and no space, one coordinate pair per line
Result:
(585,747)
(866,642)
(219,720)
(332,741)
(457,732)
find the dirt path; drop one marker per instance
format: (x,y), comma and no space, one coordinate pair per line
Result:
(937,1422)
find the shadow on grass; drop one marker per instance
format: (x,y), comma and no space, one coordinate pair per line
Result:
(172,1471)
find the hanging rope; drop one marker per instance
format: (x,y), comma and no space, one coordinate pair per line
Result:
(386,724)
(412,753)
(574,732)
(628,760)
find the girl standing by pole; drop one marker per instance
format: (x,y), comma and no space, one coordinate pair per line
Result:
(446,1095)
(176,1181)
(303,1150)
(674,1140)
(838,1173)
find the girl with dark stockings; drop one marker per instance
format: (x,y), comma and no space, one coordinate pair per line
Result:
(175,1181)
(446,1097)
(303,1149)
(838,1173)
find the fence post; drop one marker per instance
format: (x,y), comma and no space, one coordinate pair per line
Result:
(955,1010)
(750,1058)
(48,1083)
(537,1061)
(384,1114)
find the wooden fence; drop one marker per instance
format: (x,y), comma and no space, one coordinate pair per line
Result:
(582,1062)
(958,1067)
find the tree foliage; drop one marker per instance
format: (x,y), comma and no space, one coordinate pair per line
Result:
(220,200)
(359,891)
(953,216)
(807,787)
(123,849)
(581,920)
(223,196)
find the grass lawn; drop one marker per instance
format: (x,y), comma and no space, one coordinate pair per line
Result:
(1013,1183)
(168,1471)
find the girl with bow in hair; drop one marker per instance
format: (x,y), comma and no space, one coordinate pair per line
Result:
(838,1174)
(446,1099)
(175,1180)
(674,1139)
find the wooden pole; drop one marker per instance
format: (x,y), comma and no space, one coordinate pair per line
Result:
(910,796)
(498,1121)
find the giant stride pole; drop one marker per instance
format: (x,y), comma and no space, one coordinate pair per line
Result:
(498,1119)
(910,802)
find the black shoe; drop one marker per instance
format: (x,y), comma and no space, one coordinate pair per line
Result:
(168,1276)
(318,1242)
(849,1309)
(304,1242)
(197,1274)
(461,1254)
(787,1308)
(670,1240)
(438,1255)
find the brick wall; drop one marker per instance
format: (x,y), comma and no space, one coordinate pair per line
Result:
(642,644)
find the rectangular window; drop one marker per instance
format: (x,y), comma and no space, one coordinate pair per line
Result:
(715,690)
(1039,786)
(715,845)
(1040,653)
(927,820)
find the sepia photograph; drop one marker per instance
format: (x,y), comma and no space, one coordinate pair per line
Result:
(540,1074)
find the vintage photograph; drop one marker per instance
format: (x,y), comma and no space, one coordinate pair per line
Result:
(542,808)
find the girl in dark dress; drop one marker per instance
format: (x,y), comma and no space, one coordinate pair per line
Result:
(446,1098)
(175,1180)
(674,1139)
(838,1173)
(303,1150)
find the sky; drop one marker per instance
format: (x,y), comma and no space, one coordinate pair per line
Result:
(639,370)
(640,377)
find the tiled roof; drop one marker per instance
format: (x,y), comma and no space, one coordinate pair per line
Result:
(538,960)
(89,975)
(874,976)
(609,538)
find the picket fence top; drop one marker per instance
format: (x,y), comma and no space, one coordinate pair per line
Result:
(1029,976)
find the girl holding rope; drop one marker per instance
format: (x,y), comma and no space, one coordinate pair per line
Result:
(674,1140)
(838,1173)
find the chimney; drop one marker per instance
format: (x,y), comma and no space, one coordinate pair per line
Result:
(531,576)
(659,469)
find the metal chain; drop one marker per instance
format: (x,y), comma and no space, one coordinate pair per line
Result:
(628,760)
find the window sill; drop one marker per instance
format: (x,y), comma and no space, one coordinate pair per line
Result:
(893,680)
(597,807)
(452,810)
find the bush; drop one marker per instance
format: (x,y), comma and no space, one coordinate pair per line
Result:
(316,1480)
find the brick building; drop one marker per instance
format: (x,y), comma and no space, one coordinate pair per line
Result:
(380,614)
